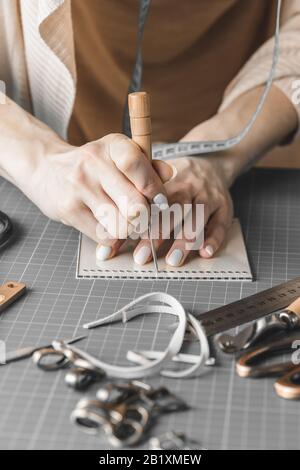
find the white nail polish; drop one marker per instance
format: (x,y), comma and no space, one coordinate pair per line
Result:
(142,255)
(161,201)
(209,250)
(175,257)
(103,253)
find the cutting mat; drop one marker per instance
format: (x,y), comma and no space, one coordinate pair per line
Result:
(227,412)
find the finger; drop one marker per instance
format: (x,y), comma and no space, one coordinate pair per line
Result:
(143,251)
(170,220)
(189,240)
(129,201)
(166,171)
(216,231)
(84,221)
(138,169)
(108,248)
(107,214)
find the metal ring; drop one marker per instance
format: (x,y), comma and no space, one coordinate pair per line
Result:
(97,407)
(129,440)
(80,378)
(90,421)
(89,403)
(41,354)
(143,415)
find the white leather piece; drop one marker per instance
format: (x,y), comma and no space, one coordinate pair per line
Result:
(173,307)
(137,356)
(198,362)
(154,361)
(230,264)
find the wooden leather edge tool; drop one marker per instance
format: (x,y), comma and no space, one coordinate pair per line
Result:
(141,131)
(9,292)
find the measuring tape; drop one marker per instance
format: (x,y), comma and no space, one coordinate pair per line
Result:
(183,149)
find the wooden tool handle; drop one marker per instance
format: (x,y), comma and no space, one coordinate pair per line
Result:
(295,307)
(9,292)
(140,120)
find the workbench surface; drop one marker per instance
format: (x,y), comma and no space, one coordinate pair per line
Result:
(227,412)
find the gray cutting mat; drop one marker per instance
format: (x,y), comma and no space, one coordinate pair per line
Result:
(227,412)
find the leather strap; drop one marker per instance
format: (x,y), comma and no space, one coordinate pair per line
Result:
(154,361)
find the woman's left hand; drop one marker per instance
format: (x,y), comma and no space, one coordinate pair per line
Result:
(199,180)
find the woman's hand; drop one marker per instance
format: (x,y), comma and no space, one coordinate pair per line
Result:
(87,186)
(73,184)
(198,181)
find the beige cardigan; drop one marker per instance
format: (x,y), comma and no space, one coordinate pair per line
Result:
(36,48)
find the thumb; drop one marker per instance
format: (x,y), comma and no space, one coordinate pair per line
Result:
(165,170)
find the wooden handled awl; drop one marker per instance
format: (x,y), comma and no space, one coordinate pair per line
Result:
(140,122)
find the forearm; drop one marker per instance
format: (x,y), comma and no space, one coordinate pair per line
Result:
(23,139)
(277,121)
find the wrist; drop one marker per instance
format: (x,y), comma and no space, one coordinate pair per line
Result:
(24,143)
(230,163)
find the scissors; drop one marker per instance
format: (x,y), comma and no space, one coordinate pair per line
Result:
(82,373)
(265,338)
(286,320)
(124,411)
(49,359)
(250,365)
(6,229)
(24,353)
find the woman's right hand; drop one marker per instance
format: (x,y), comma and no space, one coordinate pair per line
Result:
(79,185)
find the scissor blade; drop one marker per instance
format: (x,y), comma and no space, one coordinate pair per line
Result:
(74,340)
(24,353)
(154,255)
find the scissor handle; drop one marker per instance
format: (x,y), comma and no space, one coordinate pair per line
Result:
(248,365)
(41,354)
(288,386)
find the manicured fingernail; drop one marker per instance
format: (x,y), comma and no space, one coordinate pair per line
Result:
(142,255)
(103,252)
(174,259)
(161,201)
(209,250)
